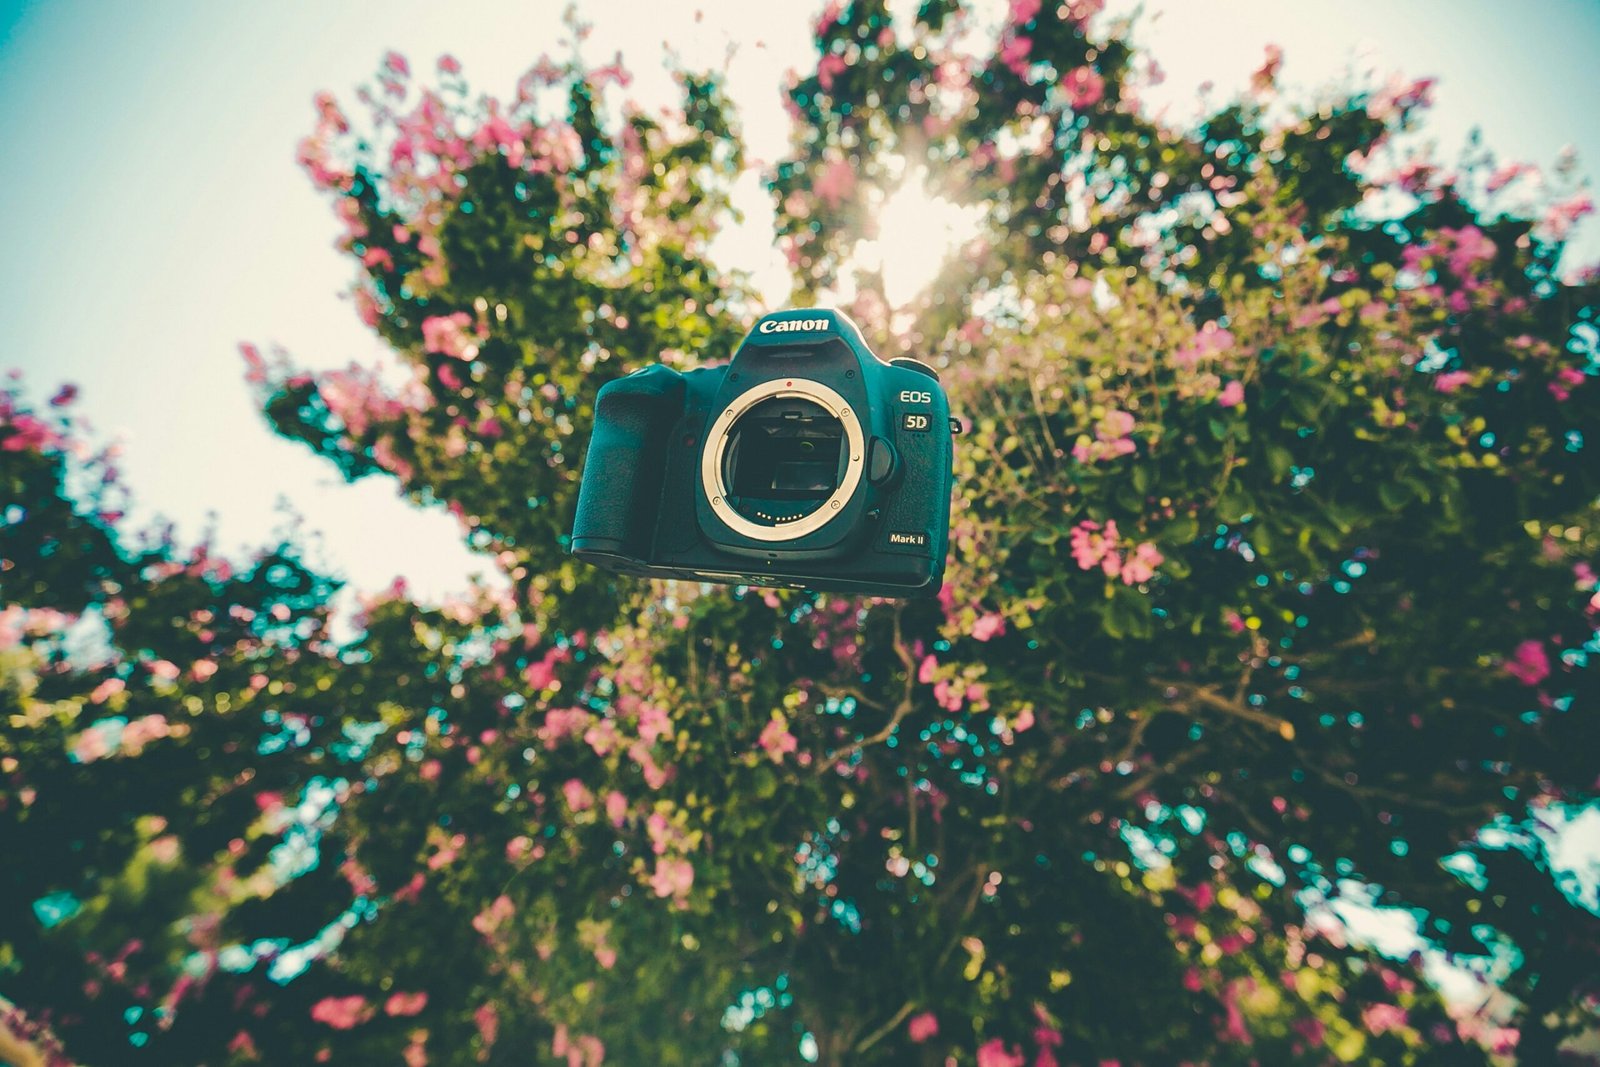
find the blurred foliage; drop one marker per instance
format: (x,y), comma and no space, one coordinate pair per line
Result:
(1271,592)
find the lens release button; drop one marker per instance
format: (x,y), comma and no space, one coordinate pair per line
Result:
(880,461)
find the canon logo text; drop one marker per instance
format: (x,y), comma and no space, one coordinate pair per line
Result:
(793,325)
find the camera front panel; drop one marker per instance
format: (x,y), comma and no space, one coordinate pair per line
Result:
(783,453)
(832,468)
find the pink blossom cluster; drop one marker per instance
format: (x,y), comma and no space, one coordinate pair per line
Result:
(449,335)
(1587,581)
(834,182)
(405,1004)
(1111,438)
(776,740)
(673,877)
(1507,173)
(489,921)
(1399,97)
(1529,663)
(1563,215)
(582,1050)
(356,397)
(342,1013)
(18,623)
(1209,342)
(1566,380)
(829,68)
(109,736)
(1094,545)
(923,1026)
(996,1053)
(1084,88)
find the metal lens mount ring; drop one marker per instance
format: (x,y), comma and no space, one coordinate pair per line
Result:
(717,445)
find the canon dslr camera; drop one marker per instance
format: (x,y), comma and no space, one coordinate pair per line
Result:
(805,462)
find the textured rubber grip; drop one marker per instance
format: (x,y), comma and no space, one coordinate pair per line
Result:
(620,494)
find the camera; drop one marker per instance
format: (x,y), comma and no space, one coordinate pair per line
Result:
(805,462)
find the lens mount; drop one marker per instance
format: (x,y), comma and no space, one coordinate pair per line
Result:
(713,480)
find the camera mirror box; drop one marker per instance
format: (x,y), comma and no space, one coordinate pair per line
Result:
(803,462)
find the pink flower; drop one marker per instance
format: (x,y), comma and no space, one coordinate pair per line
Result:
(1450,381)
(540,675)
(405,1003)
(106,690)
(616,808)
(1211,340)
(487,1019)
(654,724)
(395,63)
(1562,216)
(449,65)
(776,740)
(447,335)
(1469,246)
(1023,11)
(142,731)
(342,1013)
(1110,438)
(921,1027)
(1266,76)
(1014,54)
(1141,565)
(577,794)
(1092,546)
(672,877)
(1232,395)
(830,15)
(165,670)
(1567,379)
(836,181)
(490,919)
(988,626)
(1529,664)
(1085,88)
(993,1053)
(1507,174)
(606,956)
(1381,1018)
(830,67)
(1399,97)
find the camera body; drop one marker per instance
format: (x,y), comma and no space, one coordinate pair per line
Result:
(806,462)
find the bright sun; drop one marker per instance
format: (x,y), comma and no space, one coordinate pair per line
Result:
(916,233)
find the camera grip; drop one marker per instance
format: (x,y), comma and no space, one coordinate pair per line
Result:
(622,474)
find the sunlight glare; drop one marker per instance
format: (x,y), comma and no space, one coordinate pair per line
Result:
(917,232)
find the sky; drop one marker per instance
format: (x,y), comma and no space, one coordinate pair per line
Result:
(154,218)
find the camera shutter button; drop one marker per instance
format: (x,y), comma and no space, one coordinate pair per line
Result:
(881,461)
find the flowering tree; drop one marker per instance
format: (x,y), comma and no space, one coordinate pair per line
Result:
(1270,589)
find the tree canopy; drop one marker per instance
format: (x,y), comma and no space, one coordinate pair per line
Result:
(1271,587)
